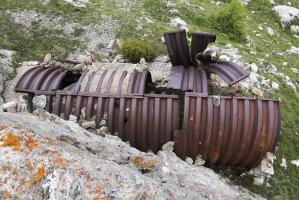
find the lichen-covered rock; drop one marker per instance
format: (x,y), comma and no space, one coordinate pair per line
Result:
(44,157)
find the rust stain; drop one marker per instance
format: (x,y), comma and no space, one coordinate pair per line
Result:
(4,181)
(142,164)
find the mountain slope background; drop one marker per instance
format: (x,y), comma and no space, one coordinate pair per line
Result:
(37,27)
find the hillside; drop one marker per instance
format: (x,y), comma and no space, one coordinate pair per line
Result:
(268,49)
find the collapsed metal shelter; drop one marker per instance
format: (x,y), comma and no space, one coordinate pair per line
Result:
(234,131)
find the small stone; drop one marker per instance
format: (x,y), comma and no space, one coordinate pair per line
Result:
(73,118)
(253,77)
(258,180)
(283,163)
(104,130)
(142,61)
(10,107)
(244,85)
(40,101)
(270,31)
(224,58)
(295,162)
(199,161)
(285,63)
(169,146)
(295,70)
(179,23)
(47,59)
(275,85)
(257,92)
(272,2)
(189,160)
(294,29)
(253,67)
(88,124)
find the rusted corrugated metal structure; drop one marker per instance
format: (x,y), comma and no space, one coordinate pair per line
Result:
(234,131)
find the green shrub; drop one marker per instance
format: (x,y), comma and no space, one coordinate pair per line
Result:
(134,50)
(229,19)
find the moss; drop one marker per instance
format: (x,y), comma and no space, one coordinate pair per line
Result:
(134,50)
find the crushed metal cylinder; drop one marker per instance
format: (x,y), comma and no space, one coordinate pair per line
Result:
(231,131)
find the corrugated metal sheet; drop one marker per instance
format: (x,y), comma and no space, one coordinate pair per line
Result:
(200,42)
(235,131)
(188,79)
(177,46)
(228,71)
(146,121)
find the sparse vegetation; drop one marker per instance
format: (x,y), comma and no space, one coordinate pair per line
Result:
(134,50)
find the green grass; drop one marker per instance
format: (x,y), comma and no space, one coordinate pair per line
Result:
(35,44)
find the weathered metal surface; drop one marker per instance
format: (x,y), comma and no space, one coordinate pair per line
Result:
(235,131)
(177,46)
(146,121)
(200,42)
(228,71)
(188,79)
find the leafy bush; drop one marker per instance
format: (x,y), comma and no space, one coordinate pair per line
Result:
(134,50)
(229,19)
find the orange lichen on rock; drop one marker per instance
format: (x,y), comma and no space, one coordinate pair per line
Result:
(31,143)
(142,164)
(40,173)
(10,140)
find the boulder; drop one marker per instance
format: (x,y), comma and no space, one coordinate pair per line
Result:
(287,14)
(50,158)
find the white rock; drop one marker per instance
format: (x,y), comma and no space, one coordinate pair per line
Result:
(294,29)
(162,58)
(257,92)
(40,101)
(47,59)
(275,85)
(199,161)
(169,146)
(295,70)
(224,58)
(285,63)
(78,3)
(287,14)
(291,85)
(295,162)
(88,124)
(284,163)
(253,77)
(293,51)
(142,61)
(244,85)
(10,107)
(179,23)
(189,160)
(270,31)
(272,2)
(259,180)
(253,67)
(73,118)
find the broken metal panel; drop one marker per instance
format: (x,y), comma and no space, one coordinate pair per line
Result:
(228,71)
(235,131)
(177,46)
(188,79)
(200,42)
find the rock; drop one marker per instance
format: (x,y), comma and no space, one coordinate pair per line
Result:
(10,107)
(40,101)
(253,67)
(270,31)
(272,2)
(295,70)
(162,58)
(287,14)
(217,81)
(283,163)
(88,124)
(59,160)
(295,162)
(257,92)
(244,85)
(293,51)
(118,59)
(264,170)
(78,3)
(189,160)
(104,131)
(47,59)
(224,58)
(253,78)
(179,23)
(199,161)
(285,63)
(169,146)
(73,118)
(294,29)
(142,61)
(275,85)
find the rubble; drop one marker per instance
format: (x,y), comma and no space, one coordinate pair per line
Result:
(10,107)
(88,124)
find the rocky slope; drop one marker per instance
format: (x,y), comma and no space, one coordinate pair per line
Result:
(44,157)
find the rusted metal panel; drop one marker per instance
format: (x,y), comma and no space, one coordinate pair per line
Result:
(235,131)
(200,42)
(228,71)
(177,46)
(146,121)
(188,79)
